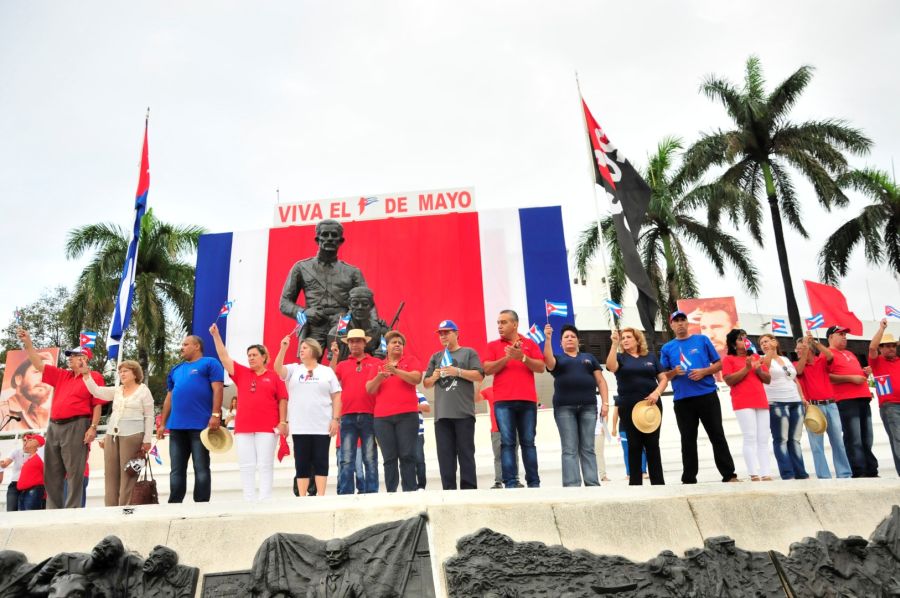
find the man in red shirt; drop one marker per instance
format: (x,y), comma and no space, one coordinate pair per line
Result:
(812,374)
(357,411)
(513,360)
(851,391)
(74,415)
(886,370)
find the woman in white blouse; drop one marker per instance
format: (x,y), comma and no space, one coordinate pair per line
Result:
(128,430)
(786,405)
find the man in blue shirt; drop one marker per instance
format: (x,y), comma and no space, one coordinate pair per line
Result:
(194,402)
(690,361)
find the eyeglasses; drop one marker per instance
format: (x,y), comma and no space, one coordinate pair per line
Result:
(253,386)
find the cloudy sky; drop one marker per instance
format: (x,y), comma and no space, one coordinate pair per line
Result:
(356,97)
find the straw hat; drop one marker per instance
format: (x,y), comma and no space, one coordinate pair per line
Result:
(356,333)
(887,338)
(646,417)
(814,420)
(217,441)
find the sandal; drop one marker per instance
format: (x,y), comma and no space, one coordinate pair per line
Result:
(766,478)
(754,478)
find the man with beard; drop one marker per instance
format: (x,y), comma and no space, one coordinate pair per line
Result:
(28,396)
(111,571)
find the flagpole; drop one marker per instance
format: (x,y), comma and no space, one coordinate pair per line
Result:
(601,245)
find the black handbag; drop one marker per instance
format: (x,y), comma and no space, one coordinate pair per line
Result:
(144,492)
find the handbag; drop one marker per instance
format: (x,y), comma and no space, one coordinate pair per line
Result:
(144,492)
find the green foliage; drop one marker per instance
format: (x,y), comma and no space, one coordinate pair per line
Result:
(45,320)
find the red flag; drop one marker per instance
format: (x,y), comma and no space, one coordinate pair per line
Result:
(283,449)
(832,304)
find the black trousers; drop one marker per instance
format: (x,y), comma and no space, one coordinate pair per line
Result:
(397,436)
(455,440)
(706,410)
(638,442)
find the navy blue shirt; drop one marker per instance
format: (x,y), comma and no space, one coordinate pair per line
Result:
(573,380)
(636,376)
(192,394)
(693,353)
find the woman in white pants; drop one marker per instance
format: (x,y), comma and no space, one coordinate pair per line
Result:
(263,413)
(743,372)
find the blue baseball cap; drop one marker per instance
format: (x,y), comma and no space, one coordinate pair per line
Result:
(677,314)
(447,325)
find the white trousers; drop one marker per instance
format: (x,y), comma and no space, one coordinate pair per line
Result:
(256,453)
(754,425)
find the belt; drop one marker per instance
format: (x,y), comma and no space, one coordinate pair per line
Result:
(822,402)
(69,420)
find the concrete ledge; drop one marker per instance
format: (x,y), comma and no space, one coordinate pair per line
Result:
(630,521)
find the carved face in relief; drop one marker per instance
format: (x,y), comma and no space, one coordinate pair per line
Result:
(335,553)
(160,560)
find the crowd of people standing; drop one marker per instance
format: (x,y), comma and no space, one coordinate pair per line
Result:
(373,405)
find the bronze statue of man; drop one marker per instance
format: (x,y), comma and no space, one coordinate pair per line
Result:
(338,582)
(362,316)
(165,578)
(110,569)
(325,281)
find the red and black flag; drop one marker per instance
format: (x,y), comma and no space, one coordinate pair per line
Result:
(630,198)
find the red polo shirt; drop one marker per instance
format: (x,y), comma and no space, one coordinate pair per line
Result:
(814,380)
(354,398)
(395,395)
(71,397)
(515,382)
(883,367)
(845,363)
(32,473)
(258,396)
(488,394)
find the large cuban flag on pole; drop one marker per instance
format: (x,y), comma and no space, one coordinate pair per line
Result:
(122,310)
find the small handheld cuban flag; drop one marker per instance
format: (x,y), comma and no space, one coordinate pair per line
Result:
(614,308)
(556,308)
(684,362)
(383,345)
(87,339)
(226,309)
(301,320)
(779,327)
(446,360)
(817,321)
(154,452)
(535,334)
(883,386)
(343,323)
(893,312)
(18,316)
(748,344)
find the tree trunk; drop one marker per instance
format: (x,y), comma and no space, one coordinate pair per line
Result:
(778,228)
(671,281)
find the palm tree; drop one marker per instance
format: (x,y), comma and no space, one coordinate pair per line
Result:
(764,144)
(164,283)
(877,226)
(669,228)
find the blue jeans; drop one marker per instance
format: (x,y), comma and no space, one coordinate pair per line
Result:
(356,427)
(420,462)
(517,419)
(623,438)
(32,499)
(836,439)
(184,445)
(576,424)
(856,421)
(890,417)
(359,474)
(786,422)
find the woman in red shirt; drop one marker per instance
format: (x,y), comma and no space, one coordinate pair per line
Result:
(397,412)
(263,412)
(744,373)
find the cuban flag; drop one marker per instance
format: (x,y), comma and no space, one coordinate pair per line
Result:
(122,311)
(614,308)
(383,345)
(154,452)
(684,362)
(779,327)
(535,334)
(18,316)
(446,360)
(343,323)
(817,321)
(883,386)
(748,344)
(890,310)
(225,309)
(556,308)
(301,320)
(87,339)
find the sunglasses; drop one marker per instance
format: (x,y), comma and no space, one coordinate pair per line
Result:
(253,386)
(787,372)
(358,365)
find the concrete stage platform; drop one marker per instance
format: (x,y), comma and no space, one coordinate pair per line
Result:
(613,519)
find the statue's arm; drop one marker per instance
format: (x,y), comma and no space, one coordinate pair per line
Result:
(293,284)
